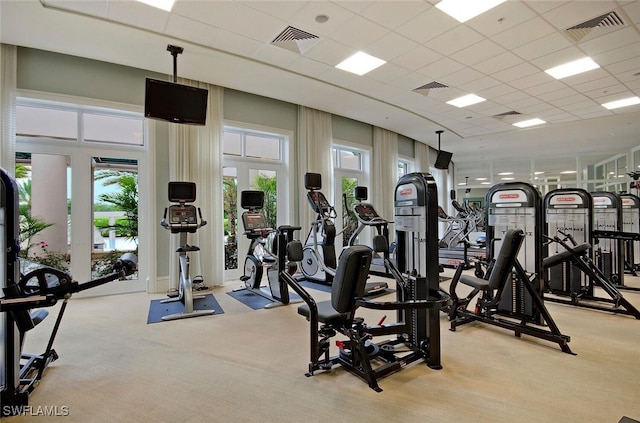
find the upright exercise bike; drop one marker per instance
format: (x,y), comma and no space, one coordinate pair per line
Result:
(183,219)
(319,252)
(267,250)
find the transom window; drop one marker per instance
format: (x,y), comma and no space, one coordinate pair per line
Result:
(346,158)
(258,145)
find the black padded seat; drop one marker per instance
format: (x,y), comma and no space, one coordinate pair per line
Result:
(347,286)
(503,264)
(326,313)
(474,282)
(565,255)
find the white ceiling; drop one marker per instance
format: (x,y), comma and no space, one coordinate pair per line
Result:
(500,55)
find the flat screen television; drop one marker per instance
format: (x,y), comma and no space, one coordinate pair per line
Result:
(443,159)
(174,102)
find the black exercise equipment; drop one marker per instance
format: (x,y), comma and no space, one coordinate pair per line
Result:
(259,257)
(607,220)
(183,219)
(571,276)
(41,286)
(631,224)
(368,217)
(417,331)
(319,253)
(513,298)
(492,290)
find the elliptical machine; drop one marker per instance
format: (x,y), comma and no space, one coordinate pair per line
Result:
(183,219)
(319,252)
(369,217)
(259,255)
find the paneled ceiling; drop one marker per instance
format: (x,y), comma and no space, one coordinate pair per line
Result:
(430,57)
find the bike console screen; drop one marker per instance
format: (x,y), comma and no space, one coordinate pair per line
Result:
(253,221)
(366,212)
(318,202)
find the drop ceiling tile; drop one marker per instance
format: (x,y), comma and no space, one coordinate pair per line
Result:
(387,73)
(218,13)
(501,18)
(574,102)
(524,33)
(390,46)
(498,63)
(285,10)
(235,43)
(454,40)
(417,58)
(440,69)
(544,46)
(138,15)
(392,14)
(329,52)
(615,55)
(305,17)
(497,91)
(632,9)
(359,33)
(275,56)
(188,29)
(426,26)
(515,72)
(619,38)
(480,85)
(576,12)
(306,66)
(543,6)
(354,6)
(255,25)
(98,8)
(462,77)
(600,93)
(629,66)
(596,84)
(532,80)
(551,91)
(479,52)
(510,98)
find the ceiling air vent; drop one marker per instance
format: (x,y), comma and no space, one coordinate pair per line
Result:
(505,114)
(295,40)
(608,21)
(426,88)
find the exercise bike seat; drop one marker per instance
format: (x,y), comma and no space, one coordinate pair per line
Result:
(187,248)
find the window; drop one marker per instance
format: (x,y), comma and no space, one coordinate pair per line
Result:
(253,160)
(56,140)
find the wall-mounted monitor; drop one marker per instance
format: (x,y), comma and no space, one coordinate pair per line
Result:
(174,102)
(443,159)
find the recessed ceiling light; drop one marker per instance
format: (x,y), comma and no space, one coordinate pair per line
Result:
(160,4)
(573,68)
(622,103)
(567,172)
(360,63)
(466,100)
(463,10)
(462,183)
(508,178)
(530,122)
(481,179)
(538,173)
(505,173)
(485,183)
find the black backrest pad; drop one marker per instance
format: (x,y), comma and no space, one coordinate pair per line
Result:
(295,251)
(506,257)
(380,244)
(351,277)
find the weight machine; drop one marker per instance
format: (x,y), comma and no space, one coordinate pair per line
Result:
(418,298)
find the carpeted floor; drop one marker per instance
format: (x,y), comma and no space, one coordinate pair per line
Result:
(248,366)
